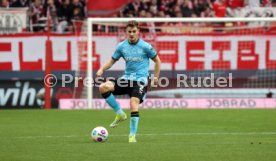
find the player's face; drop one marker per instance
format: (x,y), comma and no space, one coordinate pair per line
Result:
(132,34)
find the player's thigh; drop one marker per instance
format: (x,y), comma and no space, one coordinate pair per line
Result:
(121,86)
(139,91)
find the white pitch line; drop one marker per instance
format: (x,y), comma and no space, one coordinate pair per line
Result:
(217,133)
(154,134)
(47,136)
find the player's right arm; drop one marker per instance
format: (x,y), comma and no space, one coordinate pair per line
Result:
(106,66)
(116,56)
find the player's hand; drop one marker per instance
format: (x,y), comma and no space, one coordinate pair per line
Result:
(99,73)
(154,82)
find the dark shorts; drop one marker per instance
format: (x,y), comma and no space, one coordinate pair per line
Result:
(131,88)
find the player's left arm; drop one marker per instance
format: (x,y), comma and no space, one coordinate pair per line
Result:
(152,54)
(157,66)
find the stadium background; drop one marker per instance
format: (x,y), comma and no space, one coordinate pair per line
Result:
(23,47)
(168,130)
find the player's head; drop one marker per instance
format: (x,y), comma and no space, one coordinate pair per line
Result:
(132,31)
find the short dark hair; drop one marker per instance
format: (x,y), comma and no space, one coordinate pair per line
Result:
(132,23)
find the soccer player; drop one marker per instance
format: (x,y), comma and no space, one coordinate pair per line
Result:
(136,54)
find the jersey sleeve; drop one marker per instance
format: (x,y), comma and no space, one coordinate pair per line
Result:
(117,54)
(150,51)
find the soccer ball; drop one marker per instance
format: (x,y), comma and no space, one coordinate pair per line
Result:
(99,134)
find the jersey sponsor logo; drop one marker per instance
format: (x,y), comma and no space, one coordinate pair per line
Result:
(134,58)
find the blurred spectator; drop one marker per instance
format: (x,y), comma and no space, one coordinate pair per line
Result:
(219,8)
(153,8)
(36,13)
(15,3)
(266,3)
(70,27)
(5,4)
(20,3)
(176,10)
(233,4)
(65,11)
(200,7)
(273,3)
(78,10)
(235,7)
(208,12)
(142,13)
(161,14)
(64,16)
(259,3)
(165,5)
(253,3)
(186,8)
(50,9)
(77,14)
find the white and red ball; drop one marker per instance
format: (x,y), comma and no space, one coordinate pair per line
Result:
(99,134)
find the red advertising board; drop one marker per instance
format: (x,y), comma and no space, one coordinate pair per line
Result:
(177,52)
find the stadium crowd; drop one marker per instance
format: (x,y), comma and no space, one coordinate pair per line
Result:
(64,12)
(190,8)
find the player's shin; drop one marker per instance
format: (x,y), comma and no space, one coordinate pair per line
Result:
(134,120)
(111,101)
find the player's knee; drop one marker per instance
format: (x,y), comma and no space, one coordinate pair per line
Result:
(134,104)
(105,87)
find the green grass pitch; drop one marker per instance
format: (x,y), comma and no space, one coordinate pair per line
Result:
(164,135)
